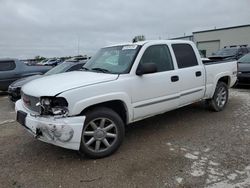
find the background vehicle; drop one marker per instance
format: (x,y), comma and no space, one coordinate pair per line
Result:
(244,70)
(13,69)
(42,62)
(52,62)
(15,88)
(78,58)
(230,53)
(87,110)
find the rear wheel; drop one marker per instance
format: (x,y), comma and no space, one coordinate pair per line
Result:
(220,98)
(102,134)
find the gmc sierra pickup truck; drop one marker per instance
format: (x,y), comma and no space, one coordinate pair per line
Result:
(87,110)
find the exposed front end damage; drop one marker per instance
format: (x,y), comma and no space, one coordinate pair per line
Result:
(60,131)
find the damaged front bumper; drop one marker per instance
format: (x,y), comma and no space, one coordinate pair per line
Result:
(65,132)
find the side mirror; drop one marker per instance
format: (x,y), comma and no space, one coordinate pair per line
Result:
(146,68)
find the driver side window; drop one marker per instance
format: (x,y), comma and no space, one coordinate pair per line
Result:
(160,56)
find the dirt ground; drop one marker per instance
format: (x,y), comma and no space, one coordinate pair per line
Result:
(188,147)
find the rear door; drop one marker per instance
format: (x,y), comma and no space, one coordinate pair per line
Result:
(191,74)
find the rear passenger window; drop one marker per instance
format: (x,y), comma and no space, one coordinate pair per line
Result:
(185,55)
(160,55)
(7,65)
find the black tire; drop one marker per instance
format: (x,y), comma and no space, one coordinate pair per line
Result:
(220,97)
(101,133)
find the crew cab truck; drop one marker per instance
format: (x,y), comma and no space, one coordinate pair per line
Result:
(87,110)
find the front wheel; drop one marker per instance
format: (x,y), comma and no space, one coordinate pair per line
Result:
(220,98)
(102,134)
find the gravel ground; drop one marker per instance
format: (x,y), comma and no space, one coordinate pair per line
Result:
(188,147)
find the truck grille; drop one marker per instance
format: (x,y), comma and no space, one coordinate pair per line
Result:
(30,102)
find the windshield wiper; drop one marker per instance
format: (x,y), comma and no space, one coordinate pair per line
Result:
(101,70)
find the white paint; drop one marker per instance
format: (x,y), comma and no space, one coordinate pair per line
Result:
(214,171)
(7,121)
(171,149)
(196,153)
(179,180)
(191,156)
(215,175)
(204,158)
(169,144)
(212,179)
(198,168)
(239,172)
(213,163)
(183,149)
(207,150)
(232,176)
(247,168)
(197,172)
(244,181)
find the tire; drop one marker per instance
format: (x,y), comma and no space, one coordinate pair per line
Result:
(220,98)
(102,134)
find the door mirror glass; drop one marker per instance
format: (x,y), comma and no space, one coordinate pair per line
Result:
(146,68)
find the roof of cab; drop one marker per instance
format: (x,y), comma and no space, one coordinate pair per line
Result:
(141,43)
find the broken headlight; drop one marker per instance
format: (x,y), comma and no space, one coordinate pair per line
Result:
(57,106)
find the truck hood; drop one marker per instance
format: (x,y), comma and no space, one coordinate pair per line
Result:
(55,84)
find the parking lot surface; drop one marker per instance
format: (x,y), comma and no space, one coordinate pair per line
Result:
(188,147)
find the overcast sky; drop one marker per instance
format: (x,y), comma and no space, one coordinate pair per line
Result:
(54,27)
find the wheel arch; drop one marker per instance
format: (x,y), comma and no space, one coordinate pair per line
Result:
(225,78)
(116,105)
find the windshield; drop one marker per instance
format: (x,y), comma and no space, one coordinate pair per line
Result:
(245,59)
(59,69)
(227,52)
(114,60)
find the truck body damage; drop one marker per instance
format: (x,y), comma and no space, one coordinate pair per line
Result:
(63,131)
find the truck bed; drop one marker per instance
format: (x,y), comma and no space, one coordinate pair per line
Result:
(216,70)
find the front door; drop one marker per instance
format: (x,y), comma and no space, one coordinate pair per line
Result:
(156,92)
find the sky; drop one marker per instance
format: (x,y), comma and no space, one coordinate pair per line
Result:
(54,28)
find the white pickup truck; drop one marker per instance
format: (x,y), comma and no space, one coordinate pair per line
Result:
(87,110)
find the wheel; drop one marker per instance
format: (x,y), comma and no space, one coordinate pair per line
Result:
(102,134)
(220,98)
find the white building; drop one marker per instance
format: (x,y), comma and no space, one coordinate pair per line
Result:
(210,41)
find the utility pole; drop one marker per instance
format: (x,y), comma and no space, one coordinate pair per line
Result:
(78,44)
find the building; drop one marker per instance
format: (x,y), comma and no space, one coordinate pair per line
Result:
(188,37)
(210,41)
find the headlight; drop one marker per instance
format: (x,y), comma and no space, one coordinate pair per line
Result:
(53,106)
(45,101)
(60,111)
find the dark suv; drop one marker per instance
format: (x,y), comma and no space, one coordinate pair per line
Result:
(230,53)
